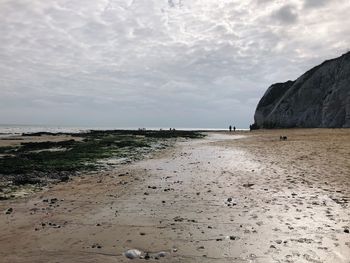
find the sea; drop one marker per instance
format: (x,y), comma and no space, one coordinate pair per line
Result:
(7,130)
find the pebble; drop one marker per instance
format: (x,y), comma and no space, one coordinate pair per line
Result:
(96,246)
(9,211)
(133,253)
(161,254)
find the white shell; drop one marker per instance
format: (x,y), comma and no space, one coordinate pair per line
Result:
(132,253)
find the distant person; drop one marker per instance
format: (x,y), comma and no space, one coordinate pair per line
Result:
(230,128)
(234,128)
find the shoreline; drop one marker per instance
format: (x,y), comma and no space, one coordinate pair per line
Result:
(222,198)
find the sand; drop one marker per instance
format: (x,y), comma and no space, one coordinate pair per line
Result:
(230,197)
(13,141)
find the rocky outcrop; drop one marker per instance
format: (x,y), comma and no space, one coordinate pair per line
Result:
(319,98)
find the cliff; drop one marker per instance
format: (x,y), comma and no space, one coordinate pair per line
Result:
(319,98)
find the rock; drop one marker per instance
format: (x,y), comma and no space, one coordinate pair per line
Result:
(319,98)
(346,230)
(178,219)
(133,253)
(161,254)
(64,178)
(9,211)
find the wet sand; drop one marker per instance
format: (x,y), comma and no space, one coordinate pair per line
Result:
(230,197)
(13,141)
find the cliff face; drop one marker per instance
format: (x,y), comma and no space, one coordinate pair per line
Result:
(319,98)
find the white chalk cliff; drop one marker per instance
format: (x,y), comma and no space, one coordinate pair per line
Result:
(319,98)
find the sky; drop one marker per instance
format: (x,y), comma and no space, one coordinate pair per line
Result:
(157,63)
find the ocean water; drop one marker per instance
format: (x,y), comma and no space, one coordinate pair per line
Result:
(11,130)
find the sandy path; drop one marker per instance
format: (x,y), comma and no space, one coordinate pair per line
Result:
(180,202)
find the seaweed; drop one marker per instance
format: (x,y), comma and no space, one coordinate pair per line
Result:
(34,160)
(32,146)
(7,149)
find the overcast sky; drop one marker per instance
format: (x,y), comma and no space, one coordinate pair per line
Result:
(157,63)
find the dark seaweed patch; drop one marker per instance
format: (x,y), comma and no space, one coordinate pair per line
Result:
(32,161)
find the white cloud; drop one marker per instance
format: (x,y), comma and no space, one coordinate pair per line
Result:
(127,63)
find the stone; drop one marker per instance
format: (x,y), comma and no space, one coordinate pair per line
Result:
(9,211)
(133,253)
(161,254)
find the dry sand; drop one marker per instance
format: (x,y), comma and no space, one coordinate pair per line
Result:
(227,198)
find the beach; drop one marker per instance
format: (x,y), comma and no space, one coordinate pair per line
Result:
(227,197)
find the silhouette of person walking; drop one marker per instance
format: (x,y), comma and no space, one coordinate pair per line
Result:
(234,128)
(230,128)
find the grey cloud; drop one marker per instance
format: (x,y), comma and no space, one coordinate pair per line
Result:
(259,2)
(315,3)
(286,14)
